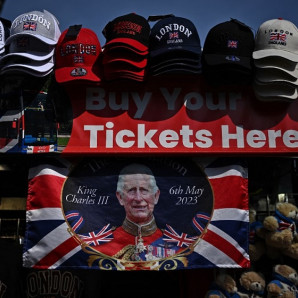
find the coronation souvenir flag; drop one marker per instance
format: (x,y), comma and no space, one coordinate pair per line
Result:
(75,218)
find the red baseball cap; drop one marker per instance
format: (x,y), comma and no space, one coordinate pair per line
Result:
(76,53)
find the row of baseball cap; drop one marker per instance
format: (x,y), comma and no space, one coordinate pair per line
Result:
(231,53)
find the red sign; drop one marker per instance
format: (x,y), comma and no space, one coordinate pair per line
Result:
(179,115)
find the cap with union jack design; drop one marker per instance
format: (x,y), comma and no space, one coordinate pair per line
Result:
(229,43)
(77,53)
(39,24)
(277,37)
(174,34)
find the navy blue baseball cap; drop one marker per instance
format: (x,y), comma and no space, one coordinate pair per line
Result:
(176,34)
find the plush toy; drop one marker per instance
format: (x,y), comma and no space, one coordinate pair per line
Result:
(284,283)
(257,246)
(252,284)
(281,229)
(224,286)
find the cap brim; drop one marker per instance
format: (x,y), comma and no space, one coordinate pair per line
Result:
(282,90)
(31,55)
(176,70)
(41,38)
(280,53)
(33,65)
(121,76)
(67,74)
(179,50)
(128,42)
(273,98)
(213,60)
(139,73)
(283,64)
(268,75)
(13,70)
(187,63)
(126,47)
(123,63)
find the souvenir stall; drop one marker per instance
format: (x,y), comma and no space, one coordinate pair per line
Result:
(152,164)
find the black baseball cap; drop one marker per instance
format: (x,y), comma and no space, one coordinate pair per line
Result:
(229,43)
(130,30)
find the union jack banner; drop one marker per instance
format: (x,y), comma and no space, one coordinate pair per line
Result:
(98,237)
(278,36)
(74,218)
(31,26)
(182,239)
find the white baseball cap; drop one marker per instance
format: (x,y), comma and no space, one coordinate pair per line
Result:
(42,25)
(277,37)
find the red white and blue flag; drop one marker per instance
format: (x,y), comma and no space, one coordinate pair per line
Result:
(54,235)
(97,237)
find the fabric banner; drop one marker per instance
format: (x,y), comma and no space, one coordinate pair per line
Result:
(180,115)
(150,213)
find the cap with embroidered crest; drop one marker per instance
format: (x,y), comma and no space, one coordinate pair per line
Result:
(130,30)
(76,54)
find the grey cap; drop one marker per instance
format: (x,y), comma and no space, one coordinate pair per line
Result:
(42,25)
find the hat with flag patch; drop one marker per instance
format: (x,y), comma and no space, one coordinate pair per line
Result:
(229,43)
(174,46)
(77,53)
(174,34)
(40,24)
(277,37)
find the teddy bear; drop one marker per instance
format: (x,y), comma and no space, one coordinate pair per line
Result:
(284,283)
(257,246)
(281,230)
(224,286)
(252,284)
